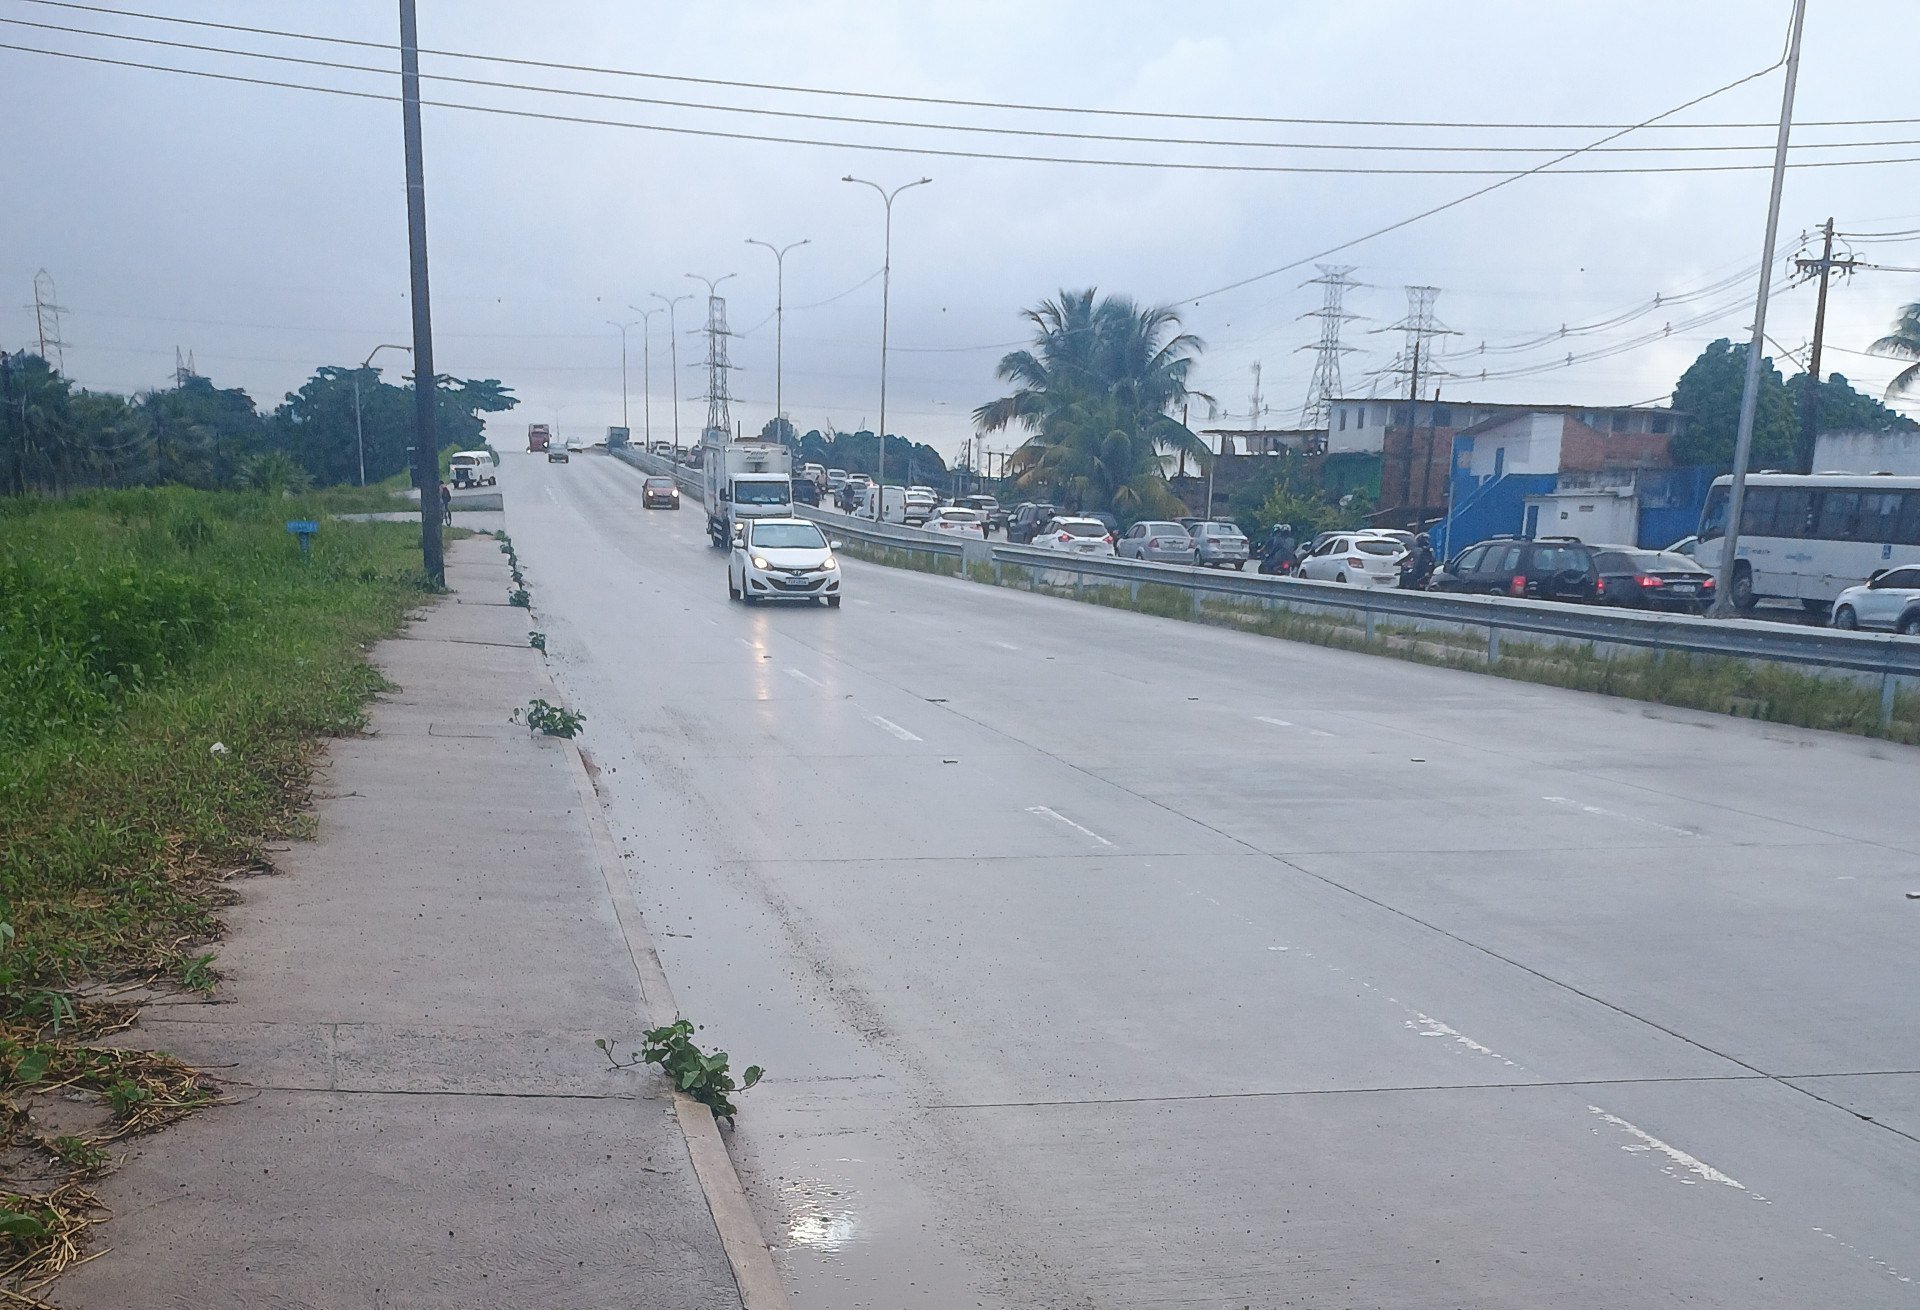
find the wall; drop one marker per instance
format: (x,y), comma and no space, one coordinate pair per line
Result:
(1867,452)
(1599,519)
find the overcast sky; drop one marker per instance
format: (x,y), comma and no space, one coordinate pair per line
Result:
(263,229)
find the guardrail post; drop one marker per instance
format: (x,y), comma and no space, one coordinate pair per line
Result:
(1079,580)
(1369,618)
(1133,590)
(1889,685)
(1493,644)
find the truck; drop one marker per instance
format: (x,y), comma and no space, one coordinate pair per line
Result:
(745,479)
(539,436)
(618,437)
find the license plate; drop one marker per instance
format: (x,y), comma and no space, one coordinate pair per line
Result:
(1683,588)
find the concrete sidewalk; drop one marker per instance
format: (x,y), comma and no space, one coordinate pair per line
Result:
(407,1016)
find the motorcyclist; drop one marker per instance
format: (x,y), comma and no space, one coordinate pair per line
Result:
(1278,557)
(1418,569)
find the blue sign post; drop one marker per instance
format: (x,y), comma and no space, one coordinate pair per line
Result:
(305,530)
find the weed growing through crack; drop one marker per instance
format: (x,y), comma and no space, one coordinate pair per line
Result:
(552,720)
(704,1077)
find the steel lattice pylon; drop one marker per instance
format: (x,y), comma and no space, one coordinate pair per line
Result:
(1325,384)
(719,418)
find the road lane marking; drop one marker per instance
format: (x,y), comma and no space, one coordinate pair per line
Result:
(1645,1141)
(744,642)
(1615,814)
(1278,723)
(1430,1027)
(891,727)
(810,681)
(1046,812)
(1006,645)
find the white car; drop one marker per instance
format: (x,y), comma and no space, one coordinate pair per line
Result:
(782,559)
(1075,536)
(953,521)
(917,505)
(1889,602)
(1359,559)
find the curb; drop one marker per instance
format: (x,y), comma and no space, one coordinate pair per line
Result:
(759,1282)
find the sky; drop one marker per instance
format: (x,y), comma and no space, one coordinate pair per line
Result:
(263,229)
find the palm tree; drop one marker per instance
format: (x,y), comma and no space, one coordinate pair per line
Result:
(1902,343)
(1097,390)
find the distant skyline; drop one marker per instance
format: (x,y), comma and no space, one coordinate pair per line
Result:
(262,228)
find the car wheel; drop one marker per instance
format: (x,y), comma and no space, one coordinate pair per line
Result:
(1844,617)
(733,592)
(833,602)
(1909,625)
(1743,597)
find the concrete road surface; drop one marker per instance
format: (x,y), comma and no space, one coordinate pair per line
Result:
(1108,961)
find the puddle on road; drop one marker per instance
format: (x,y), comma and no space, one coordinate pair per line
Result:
(819,1217)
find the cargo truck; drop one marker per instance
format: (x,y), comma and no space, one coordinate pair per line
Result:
(745,479)
(539,436)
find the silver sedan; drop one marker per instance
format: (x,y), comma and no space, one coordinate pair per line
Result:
(1160,542)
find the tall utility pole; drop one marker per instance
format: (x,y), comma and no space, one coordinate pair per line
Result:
(623,373)
(886,304)
(359,428)
(779,320)
(1325,385)
(1420,326)
(719,418)
(646,372)
(673,361)
(1724,600)
(46,321)
(426,444)
(1823,268)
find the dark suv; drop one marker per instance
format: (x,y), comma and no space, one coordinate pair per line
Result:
(1027,520)
(1545,568)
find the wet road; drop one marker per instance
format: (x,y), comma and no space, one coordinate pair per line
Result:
(1108,961)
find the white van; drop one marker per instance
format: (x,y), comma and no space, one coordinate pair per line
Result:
(471,468)
(893,504)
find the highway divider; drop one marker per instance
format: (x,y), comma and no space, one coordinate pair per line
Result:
(1879,658)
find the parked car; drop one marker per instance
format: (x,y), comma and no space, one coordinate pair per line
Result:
(556,453)
(1075,535)
(1544,568)
(990,510)
(659,492)
(1890,600)
(1652,579)
(1158,540)
(1359,559)
(1029,518)
(952,520)
(782,559)
(1222,544)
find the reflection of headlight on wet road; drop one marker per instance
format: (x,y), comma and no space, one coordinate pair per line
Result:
(821,1231)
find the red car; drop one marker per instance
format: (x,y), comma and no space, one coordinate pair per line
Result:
(660,492)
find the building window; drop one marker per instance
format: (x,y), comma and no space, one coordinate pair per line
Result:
(1662,424)
(1343,418)
(1442,417)
(1622,422)
(1499,461)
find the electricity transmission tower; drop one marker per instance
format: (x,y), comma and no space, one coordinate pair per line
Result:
(46,321)
(719,396)
(1325,384)
(1417,364)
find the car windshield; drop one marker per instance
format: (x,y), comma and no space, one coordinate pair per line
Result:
(1166,530)
(659,484)
(1221,530)
(761,493)
(1560,559)
(787,536)
(959,516)
(1378,546)
(1082,527)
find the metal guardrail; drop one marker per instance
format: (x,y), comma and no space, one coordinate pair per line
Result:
(1888,657)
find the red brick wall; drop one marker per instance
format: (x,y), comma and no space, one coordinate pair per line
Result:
(1583,450)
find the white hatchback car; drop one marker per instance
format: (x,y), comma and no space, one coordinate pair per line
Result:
(1359,559)
(955,521)
(1075,536)
(1889,602)
(782,559)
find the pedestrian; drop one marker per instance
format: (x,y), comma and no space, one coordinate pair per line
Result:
(446,505)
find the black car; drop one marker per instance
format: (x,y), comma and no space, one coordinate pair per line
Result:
(1652,579)
(1029,519)
(1543,568)
(806,492)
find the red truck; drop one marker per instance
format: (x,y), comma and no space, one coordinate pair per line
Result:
(539,436)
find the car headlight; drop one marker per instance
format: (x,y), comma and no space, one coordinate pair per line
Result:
(831,563)
(759,563)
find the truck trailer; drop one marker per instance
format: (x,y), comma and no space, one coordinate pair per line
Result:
(745,479)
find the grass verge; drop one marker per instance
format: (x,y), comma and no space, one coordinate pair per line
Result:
(169,664)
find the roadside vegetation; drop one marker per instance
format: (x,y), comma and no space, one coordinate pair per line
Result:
(168,664)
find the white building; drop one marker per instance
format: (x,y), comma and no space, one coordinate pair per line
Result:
(1359,426)
(1867,452)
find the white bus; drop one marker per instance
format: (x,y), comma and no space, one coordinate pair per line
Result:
(1808,537)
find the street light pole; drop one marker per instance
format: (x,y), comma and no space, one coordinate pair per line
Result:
(673,347)
(623,373)
(426,383)
(359,429)
(779,318)
(1723,602)
(886,304)
(646,370)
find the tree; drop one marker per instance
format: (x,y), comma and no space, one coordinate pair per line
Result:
(1842,409)
(1709,392)
(1097,389)
(316,423)
(201,433)
(1902,343)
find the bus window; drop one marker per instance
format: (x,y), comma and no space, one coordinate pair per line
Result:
(1792,513)
(1879,516)
(1713,519)
(1838,512)
(1756,511)
(1908,531)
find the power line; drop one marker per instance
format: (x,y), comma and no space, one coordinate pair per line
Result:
(973,128)
(1505,177)
(1171,115)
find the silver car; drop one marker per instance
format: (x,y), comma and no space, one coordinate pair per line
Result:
(1161,542)
(1890,602)
(1219,543)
